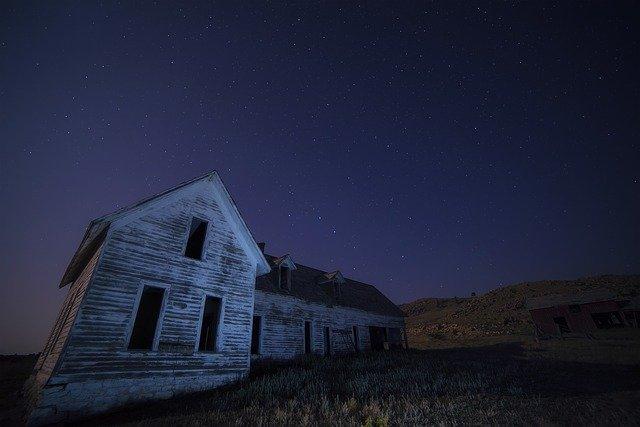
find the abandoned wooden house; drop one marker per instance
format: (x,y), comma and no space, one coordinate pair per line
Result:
(173,295)
(582,314)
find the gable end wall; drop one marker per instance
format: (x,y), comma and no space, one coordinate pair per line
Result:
(98,372)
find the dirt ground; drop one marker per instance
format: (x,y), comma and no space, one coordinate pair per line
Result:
(511,381)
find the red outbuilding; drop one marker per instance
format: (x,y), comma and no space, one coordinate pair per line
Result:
(582,313)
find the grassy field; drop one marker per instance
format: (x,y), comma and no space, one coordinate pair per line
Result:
(505,384)
(558,382)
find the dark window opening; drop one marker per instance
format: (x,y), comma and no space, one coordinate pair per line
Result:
(307,337)
(144,327)
(210,321)
(327,341)
(611,319)
(255,334)
(285,278)
(561,322)
(197,235)
(574,308)
(356,339)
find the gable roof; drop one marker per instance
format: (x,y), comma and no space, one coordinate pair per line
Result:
(97,229)
(334,276)
(285,260)
(306,285)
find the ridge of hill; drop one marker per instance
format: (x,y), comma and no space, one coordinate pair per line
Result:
(501,311)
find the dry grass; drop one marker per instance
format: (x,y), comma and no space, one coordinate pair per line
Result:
(501,311)
(503,384)
(508,383)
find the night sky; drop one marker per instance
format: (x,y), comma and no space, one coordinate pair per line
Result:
(432,149)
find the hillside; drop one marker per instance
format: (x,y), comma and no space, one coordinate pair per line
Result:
(500,312)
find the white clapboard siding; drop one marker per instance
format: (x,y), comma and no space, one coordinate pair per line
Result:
(86,366)
(283,318)
(149,251)
(50,355)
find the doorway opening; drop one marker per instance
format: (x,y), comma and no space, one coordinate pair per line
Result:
(307,337)
(327,341)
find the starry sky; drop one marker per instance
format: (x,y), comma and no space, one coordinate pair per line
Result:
(432,149)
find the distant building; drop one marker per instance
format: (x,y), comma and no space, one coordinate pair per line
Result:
(173,295)
(583,313)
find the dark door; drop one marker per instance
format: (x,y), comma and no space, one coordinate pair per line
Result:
(327,341)
(210,321)
(255,335)
(376,335)
(356,339)
(307,337)
(144,328)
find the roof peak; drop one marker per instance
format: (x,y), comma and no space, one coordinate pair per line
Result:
(120,216)
(118,212)
(333,276)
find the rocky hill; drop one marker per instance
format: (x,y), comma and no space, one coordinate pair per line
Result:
(501,311)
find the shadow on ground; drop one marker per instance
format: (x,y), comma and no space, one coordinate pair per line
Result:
(488,384)
(505,377)
(548,376)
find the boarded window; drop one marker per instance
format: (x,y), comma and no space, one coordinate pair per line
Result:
(145,325)
(255,334)
(210,321)
(611,319)
(307,337)
(561,322)
(197,236)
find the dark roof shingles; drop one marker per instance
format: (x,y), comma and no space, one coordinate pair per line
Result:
(305,286)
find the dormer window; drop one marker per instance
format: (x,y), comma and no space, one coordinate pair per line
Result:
(333,282)
(283,268)
(336,289)
(285,277)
